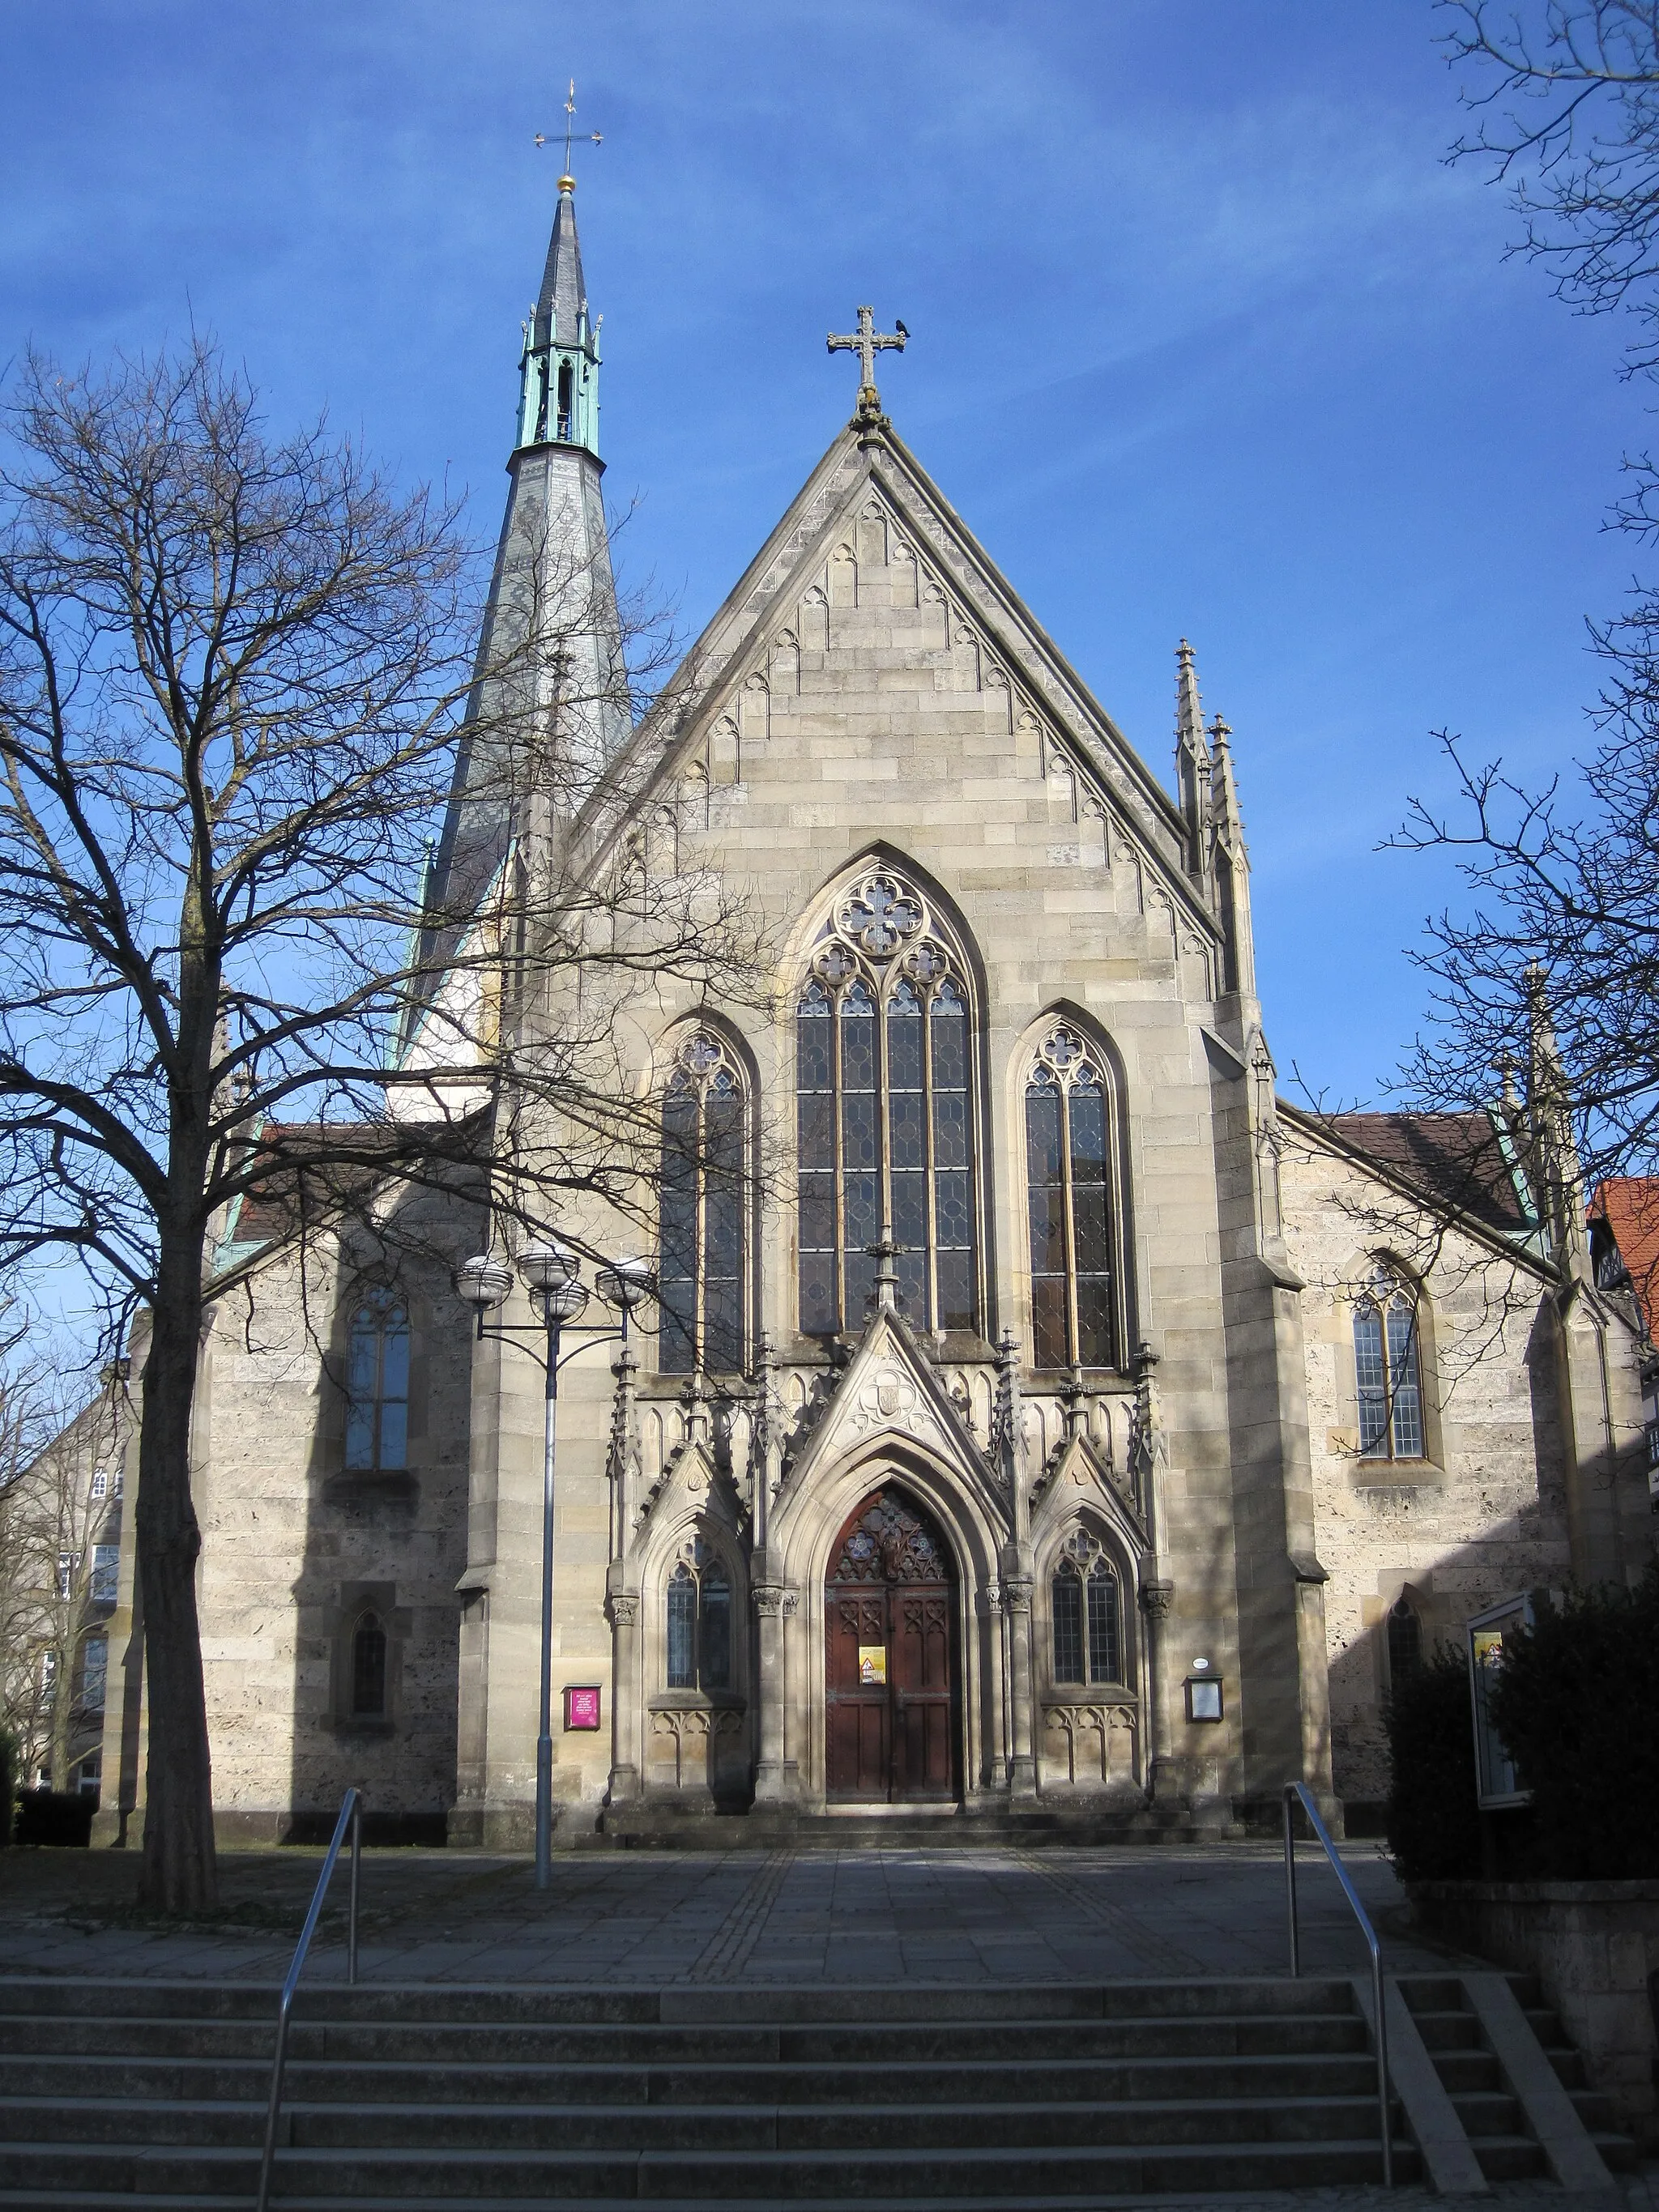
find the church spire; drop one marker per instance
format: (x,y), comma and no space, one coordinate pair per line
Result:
(532,750)
(1192,765)
(559,366)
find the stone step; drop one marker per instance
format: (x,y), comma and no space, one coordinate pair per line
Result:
(81,2200)
(620,2131)
(903,2173)
(380,2081)
(38,1996)
(884,2043)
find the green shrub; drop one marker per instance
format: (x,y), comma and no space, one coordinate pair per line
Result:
(1433,1821)
(1576,1702)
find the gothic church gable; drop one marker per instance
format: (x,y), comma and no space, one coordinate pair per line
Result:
(871,606)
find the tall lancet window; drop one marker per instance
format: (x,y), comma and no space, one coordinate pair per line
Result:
(885,1124)
(1388,1370)
(1068,1157)
(701,1269)
(377,1385)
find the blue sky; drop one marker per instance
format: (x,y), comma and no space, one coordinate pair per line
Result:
(1206,339)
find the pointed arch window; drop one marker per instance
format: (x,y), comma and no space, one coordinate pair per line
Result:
(368,1652)
(1389,1369)
(1070,1200)
(702,1271)
(1087,1616)
(699,1621)
(377,1385)
(884,1117)
(1405,1641)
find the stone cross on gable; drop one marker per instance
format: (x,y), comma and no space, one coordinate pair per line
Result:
(867,341)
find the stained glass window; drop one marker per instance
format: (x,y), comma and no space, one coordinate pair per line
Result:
(377,1385)
(1388,1370)
(1088,1629)
(883,1122)
(701,1260)
(1069,1195)
(699,1621)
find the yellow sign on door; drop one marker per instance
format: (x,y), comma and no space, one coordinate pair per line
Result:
(873,1663)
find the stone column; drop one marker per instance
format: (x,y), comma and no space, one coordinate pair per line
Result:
(775,1780)
(1163,1776)
(623,1607)
(1016,1606)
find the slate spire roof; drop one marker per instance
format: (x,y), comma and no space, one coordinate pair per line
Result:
(562,316)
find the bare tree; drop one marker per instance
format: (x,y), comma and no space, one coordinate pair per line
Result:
(233,673)
(1567,96)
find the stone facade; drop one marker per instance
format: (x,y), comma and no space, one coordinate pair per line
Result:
(877,741)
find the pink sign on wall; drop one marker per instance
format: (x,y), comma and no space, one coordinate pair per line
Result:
(581,1707)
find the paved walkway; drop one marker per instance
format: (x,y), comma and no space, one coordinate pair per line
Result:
(646,1918)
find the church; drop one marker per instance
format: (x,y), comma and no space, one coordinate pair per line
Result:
(1072,1433)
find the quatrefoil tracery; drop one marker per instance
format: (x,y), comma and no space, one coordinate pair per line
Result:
(882,929)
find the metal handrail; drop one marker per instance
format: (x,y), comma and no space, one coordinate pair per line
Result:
(351,1813)
(1293,1792)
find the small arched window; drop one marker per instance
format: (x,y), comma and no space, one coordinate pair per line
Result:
(1387,1369)
(377,1385)
(1069,1196)
(699,1621)
(1088,1620)
(368,1668)
(701,1272)
(1405,1641)
(566,384)
(883,1125)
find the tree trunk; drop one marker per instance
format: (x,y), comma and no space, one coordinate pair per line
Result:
(179,1872)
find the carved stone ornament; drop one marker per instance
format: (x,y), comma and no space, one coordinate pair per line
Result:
(624,1609)
(1155,1599)
(769,1601)
(888,1399)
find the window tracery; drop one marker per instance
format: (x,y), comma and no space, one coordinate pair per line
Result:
(1088,1623)
(377,1385)
(1068,1136)
(884,1126)
(699,1620)
(701,1264)
(1388,1368)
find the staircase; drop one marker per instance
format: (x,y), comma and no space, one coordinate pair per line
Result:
(1493,2119)
(152,2094)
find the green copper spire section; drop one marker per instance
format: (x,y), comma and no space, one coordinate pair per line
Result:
(559,367)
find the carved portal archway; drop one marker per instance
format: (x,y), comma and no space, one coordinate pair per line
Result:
(892,1681)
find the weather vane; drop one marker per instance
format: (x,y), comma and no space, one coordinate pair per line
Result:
(866,342)
(592,137)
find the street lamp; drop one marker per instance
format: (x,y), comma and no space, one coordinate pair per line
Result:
(557,1297)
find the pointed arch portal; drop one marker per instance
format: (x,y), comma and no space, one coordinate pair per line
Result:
(892,1678)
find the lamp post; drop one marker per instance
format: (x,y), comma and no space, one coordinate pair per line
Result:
(557,1297)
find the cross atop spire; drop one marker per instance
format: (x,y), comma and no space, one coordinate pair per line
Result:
(567,181)
(867,341)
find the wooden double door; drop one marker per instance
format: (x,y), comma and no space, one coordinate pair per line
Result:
(893,1692)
